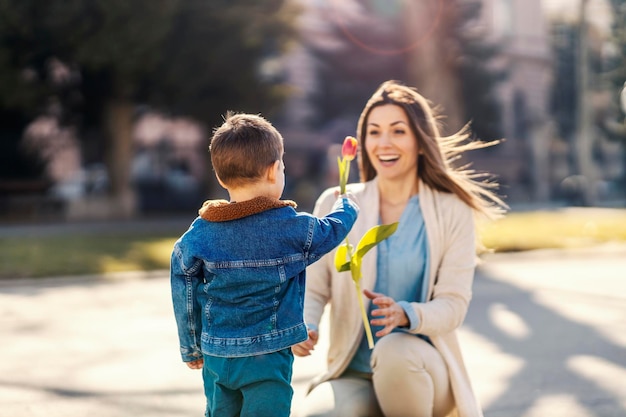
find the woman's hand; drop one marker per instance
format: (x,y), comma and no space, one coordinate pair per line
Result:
(305,348)
(392,314)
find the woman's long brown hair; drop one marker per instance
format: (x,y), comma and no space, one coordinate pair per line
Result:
(436,163)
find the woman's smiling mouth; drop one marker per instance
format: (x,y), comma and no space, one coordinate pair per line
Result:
(388,159)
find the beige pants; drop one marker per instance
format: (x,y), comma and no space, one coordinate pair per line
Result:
(410,379)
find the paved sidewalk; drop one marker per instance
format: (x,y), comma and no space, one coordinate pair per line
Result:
(545,336)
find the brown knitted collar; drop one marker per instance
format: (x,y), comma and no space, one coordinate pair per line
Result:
(222,210)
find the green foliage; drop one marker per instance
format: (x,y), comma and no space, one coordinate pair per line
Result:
(217,49)
(195,58)
(373,237)
(342,260)
(346,259)
(195,55)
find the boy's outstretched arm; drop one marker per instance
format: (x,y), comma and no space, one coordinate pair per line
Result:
(329,231)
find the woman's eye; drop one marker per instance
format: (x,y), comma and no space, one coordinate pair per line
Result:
(399,131)
(372,132)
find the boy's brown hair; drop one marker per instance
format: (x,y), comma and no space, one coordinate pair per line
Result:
(243,147)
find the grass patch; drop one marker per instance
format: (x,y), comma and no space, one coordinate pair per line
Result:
(563,228)
(31,257)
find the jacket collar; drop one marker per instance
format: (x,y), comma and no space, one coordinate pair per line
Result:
(223,211)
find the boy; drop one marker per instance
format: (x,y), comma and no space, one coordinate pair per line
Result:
(238,274)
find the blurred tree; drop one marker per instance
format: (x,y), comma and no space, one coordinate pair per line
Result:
(612,67)
(15,161)
(563,102)
(477,74)
(433,62)
(191,57)
(606,70)
(353,56)
(616,67)
(613,122)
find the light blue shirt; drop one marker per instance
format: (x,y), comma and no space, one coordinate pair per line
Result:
(402,264)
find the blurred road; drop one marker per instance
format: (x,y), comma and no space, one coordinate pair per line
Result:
(545,336)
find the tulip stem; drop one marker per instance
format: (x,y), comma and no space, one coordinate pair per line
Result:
(355,268)
(346,175)
(356,277)
(366,324)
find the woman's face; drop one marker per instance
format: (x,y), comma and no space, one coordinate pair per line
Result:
(390,143)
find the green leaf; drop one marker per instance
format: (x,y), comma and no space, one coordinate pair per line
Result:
(373,237)
(342,263)
(355,269)
(343,268)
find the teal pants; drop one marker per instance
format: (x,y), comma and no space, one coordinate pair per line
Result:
(252,386)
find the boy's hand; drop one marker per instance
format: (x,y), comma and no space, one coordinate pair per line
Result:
(305,348)
(197,364)
(347,195)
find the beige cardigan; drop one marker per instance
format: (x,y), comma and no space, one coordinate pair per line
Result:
(452,248)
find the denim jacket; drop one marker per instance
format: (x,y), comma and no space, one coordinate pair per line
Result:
(238,274)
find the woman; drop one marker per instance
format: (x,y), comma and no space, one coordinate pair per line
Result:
(418,281)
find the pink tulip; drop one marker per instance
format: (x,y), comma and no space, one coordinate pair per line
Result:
(349,148)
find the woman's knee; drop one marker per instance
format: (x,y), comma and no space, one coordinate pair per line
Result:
(342,397)
(399,351)
(410,374)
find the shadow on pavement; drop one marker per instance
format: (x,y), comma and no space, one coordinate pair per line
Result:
(552,349)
